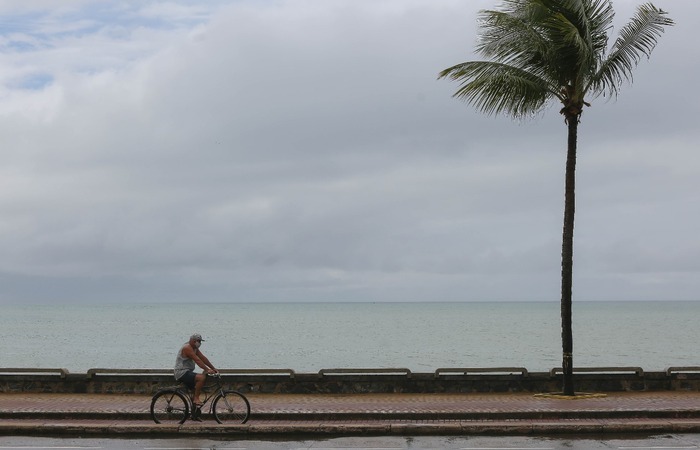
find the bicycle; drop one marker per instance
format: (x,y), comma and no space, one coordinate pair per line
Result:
(174,404)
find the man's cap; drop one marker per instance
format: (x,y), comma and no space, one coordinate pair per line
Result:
(196,337)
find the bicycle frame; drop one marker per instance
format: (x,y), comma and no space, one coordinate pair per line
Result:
(210,391)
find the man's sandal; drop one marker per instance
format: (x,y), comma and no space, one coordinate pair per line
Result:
(197,411)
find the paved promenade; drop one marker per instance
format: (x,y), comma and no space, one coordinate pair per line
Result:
(363,414)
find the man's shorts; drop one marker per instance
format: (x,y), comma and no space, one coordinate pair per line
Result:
(188,379)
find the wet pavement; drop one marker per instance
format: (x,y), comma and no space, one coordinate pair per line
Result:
(363,414)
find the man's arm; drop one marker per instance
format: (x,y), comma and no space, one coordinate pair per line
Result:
(206,361)
(198,358)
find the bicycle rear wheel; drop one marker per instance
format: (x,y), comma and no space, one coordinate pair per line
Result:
(231,407)
(169,406)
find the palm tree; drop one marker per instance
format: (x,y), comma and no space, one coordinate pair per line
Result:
(542,50)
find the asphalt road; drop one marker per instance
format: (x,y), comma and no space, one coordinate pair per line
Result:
(627,442)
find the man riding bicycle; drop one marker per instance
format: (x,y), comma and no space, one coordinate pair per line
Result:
(187,357)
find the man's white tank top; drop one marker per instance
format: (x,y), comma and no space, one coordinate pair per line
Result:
(182,365)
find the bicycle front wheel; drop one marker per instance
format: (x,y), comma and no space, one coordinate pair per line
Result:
(169,406)
(231,407)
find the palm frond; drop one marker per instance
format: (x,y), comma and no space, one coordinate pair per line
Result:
(510,39)
(572,37)
(496,88)
(638,38)
(600,15)
(572,32)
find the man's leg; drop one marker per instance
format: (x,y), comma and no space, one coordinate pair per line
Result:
(199,381)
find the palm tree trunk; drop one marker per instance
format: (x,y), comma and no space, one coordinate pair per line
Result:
(567,259)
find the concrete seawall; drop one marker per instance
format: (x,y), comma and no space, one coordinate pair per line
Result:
(354,381)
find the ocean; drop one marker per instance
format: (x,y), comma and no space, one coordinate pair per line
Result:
(307,337)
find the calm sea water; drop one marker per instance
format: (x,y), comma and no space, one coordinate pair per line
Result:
(308,337)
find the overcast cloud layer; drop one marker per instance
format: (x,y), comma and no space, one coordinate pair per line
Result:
(304,150)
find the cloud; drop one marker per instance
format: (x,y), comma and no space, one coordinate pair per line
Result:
(304,150)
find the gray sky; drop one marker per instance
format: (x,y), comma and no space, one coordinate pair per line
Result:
(304,150)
